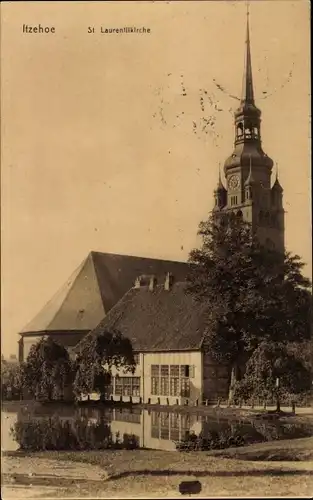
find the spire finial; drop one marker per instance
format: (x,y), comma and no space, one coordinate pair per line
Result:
(247,87)
(220,184)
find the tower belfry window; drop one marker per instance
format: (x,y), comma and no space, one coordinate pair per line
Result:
(234,200)
(239,130)
(248,132)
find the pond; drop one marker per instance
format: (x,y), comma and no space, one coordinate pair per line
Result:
(103,427)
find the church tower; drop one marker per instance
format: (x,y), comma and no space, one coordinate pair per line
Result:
(248,192)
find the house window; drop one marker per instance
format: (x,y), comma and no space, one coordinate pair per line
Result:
(164,389)
(171,380)
(184,370)
(185,387)
(118,386)
(137,358)
(155,373)
(127,386)
(127,391)
(136,386)
(155,386)
(174,380)
(155,370)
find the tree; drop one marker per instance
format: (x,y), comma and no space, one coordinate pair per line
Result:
(251,293)
(98,354)
(273,372)
(47,372)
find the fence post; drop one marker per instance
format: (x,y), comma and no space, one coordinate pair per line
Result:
(159,401)
(293,407)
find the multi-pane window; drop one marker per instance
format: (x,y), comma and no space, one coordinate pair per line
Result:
(185,387)
(174,380)
(164,380)
(118,385)
(136,386)
(171,380)
(127,386)
(155,375)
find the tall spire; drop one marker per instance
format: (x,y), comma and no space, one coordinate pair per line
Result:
(247,96)
(220,184)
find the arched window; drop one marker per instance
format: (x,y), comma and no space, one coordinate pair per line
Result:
(239,130)
(239,214)
(248,131)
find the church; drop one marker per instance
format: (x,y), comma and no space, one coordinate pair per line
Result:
(145,298)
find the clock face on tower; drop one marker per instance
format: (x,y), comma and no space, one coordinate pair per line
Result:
(233,182)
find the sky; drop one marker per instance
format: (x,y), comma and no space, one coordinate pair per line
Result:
(112,142)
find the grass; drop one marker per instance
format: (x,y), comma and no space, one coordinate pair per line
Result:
(293,450)
(268,469)
(155,473)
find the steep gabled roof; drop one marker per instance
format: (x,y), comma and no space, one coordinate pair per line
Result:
(94,288)
(158,320)
(76,306)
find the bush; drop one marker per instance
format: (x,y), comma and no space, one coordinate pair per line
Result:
(214,440)
(56,434)
(241,435)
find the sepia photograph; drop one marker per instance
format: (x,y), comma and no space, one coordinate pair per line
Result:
(156,243)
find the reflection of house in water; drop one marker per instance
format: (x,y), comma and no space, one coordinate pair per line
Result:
(155,430)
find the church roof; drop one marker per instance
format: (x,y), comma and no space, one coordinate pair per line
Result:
(94,288)
(158,320)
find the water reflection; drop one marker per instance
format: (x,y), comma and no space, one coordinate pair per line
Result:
(159,430)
